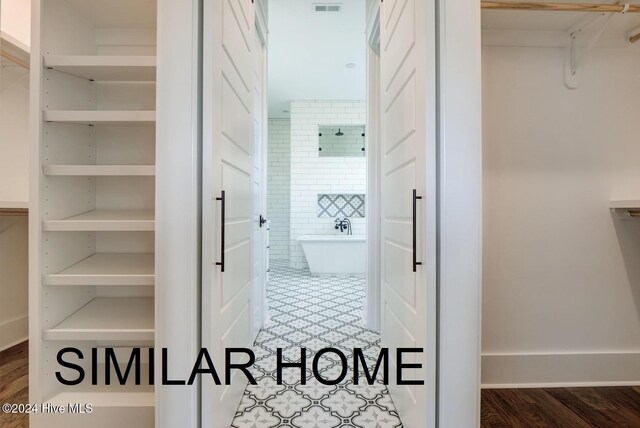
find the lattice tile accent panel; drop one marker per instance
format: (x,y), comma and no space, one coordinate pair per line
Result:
(340,205)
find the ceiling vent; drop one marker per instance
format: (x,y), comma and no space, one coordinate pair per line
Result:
(331,7)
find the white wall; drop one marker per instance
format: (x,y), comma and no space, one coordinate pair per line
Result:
(14,133)
(278,187)
(14,186)
(561,299)
(13,280)
(15,22)
(312,174)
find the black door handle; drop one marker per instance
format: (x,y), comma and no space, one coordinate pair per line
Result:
(262,220)
(415,229)
(222,209)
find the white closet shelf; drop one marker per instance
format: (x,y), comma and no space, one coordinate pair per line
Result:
(104,221)
(105,67)
(629,204)
(114,269)
(108,318)
(91,117)
(100,170)
(626,210)
(105,399)
(14,204)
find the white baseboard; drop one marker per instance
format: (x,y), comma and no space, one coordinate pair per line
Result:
(13,331)
(560,370)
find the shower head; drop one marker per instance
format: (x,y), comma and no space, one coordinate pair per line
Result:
(339,133)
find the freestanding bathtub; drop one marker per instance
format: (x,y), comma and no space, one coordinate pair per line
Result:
(341,255)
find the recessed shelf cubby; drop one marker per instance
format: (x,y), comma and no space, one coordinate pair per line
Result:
(93,268)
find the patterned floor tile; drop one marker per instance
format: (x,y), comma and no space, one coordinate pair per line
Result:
(316,313)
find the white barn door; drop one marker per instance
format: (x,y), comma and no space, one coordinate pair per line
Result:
(408,299)
(228,213)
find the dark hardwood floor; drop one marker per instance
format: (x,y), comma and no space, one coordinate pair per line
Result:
(614,407)
(14,383)
(603,407)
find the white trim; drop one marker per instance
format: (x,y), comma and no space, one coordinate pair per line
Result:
(261,7)
(14,204)
(459,212)
(556,385)
(15,45)
(373,153)
(13,331)
(178,207)
(263,34)
(544,370)
(36,321)
(12,344)
(373,23)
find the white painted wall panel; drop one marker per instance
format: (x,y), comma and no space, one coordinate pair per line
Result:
(561,274)
(14,133)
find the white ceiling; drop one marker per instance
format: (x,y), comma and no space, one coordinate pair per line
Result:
(308,52)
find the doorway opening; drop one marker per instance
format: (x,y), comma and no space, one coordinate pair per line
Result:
(318,190)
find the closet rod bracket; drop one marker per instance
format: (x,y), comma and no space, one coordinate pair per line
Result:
(576,55)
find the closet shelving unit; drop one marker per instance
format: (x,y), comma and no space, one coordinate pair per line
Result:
(92,227)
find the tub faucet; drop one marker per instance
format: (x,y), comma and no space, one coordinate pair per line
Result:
(344,224)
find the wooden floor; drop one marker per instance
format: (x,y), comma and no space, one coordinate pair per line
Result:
(14,383)
(615,407)
(561,407)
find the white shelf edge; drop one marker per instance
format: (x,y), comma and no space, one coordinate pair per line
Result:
(99,61)
(99,116)
(108,318)
(105,67)
(104,221)
(626,204)
(100,170)
(621,209)
(20,205)
(107,269)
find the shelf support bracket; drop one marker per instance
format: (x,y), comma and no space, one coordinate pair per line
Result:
(574,57)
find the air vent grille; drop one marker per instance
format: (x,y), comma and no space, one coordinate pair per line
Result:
(318,7)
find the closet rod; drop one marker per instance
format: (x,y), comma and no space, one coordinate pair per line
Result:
(14,212)
(561,7)
(635,38)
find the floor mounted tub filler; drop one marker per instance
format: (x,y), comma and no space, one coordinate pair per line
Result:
(341,255)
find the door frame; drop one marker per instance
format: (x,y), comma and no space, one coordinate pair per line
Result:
(178,214)
(261,27)
(374,169)
(459,205)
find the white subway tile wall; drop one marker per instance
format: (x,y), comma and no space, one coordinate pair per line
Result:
(312,175)
(278,188)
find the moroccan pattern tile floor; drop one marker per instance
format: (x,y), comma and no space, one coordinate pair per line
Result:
(314,313)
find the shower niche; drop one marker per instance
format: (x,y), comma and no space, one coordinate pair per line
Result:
(341,140)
